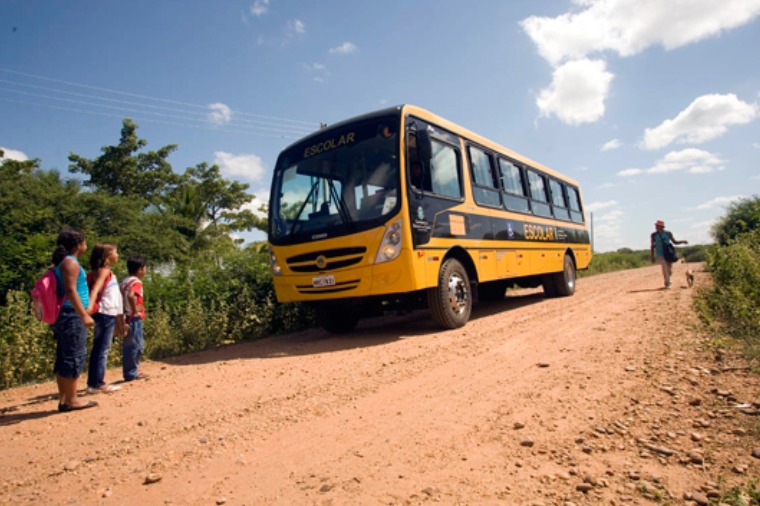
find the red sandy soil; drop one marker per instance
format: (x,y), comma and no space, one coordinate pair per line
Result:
(612,396)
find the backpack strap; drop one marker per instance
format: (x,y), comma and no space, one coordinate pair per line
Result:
(127,286)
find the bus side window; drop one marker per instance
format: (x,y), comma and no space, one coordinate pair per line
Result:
(512,183)
(444,170)
(576,213)
(485,188)
(559,204)
(539,200)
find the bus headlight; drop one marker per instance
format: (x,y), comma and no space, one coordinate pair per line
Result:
(274,264)
(390,247)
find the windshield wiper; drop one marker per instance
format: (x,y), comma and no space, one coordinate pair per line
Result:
(296,222)
(342,209)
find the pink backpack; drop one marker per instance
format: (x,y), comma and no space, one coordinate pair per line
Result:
(46,302)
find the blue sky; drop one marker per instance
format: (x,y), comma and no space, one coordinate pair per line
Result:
(652,105)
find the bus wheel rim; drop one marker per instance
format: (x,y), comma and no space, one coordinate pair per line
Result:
(457,293)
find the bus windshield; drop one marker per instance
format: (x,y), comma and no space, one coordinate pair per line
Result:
(338,182)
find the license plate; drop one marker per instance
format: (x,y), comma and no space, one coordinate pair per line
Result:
(321,281)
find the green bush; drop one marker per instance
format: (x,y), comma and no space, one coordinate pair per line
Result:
(742,216)
(694,254)
(27,347)
(733,302)
(162,342)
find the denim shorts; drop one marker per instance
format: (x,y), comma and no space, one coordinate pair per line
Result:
(71,344)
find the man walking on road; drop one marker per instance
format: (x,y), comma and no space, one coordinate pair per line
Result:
(661,247)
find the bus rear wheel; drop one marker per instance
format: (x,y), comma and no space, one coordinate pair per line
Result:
(561,284)
(451,301)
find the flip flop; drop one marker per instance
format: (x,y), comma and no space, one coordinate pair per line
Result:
(65,408)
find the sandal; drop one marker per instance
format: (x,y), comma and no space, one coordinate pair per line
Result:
(65,408)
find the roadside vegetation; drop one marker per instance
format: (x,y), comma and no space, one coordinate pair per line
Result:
(731,306)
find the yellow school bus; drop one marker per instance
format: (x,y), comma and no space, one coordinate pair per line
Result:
(401,209)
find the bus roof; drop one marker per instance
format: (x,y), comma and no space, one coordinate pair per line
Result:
(424,114)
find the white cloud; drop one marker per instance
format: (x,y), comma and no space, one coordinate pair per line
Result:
(316,67)
(577,92)
(13,154)
(756,145)
(614,216)
(706,118)
(700,232)
(608,227)
(295,27)
(598,206)
(345,48)
(249,167)
(220,113)
(691,160)
(720,202)
(261,198)
(628,27)
(319,71)
(610,145)
(259,8)
(703,225)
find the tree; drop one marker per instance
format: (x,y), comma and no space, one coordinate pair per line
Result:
(121,170)
(741,217)
(211,205)
(136,231)
(34,206)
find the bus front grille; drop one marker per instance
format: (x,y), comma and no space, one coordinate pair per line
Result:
(326,260)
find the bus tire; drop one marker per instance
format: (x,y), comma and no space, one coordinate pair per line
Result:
(450,302)
(549,282)
(337,322)
(564,281)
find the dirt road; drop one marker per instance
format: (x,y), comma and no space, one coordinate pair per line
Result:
(607,397)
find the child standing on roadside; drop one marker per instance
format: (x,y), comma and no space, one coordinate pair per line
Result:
(107,310)
(134,314)
(70,330)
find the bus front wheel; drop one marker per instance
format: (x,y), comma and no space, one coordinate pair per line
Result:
(451,301)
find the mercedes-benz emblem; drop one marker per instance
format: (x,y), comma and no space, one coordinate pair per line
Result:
(321,262)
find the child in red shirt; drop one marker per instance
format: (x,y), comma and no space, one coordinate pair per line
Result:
(134,314)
